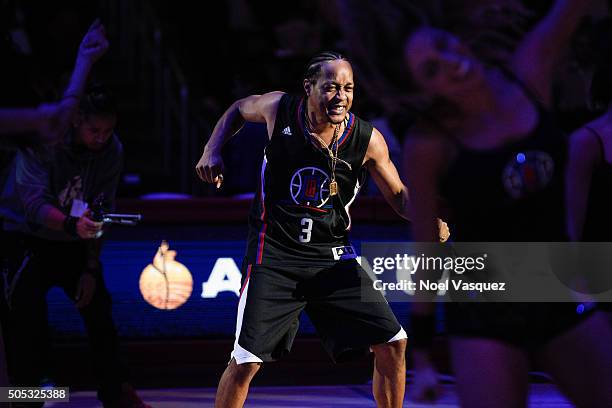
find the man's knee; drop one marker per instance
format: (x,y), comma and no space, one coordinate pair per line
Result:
(243,373)
(392,351)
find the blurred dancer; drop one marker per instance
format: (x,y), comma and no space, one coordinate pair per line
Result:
(589,173)
(480,123)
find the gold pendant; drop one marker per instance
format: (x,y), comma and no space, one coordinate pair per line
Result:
(333,188)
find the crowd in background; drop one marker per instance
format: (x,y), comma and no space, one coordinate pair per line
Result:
(236,48)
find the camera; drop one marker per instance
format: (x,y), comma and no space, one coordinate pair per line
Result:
(99,215)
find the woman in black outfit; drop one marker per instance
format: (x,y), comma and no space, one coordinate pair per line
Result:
(589,179)
(489,147)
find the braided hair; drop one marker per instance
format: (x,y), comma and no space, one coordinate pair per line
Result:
(313,68)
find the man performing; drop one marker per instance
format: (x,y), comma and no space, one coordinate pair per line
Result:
(298,253)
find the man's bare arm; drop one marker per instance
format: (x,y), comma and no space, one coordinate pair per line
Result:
(387,179)
(424,163)
(385,174)
(255,108)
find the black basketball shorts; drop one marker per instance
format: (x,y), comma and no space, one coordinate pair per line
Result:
(273,297)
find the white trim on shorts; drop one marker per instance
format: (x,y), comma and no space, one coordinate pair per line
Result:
(240,354)
(401,335)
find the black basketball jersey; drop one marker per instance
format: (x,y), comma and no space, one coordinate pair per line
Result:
(294,219)
(511,193)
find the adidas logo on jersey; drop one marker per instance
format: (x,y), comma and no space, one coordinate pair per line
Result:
(287,131)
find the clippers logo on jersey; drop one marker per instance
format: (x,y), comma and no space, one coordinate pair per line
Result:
(528,173)
(310,186)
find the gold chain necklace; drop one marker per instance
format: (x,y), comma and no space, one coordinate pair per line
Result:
(333,154)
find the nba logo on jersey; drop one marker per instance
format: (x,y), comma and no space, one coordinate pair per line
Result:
(310,186)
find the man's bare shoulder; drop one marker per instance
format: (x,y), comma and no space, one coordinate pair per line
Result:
(260,108)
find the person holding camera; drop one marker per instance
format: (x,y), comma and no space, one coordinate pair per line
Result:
(56,186)
(30,126)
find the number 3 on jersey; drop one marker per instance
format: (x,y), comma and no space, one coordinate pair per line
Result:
(307,230)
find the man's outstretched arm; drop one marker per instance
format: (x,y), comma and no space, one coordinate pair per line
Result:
(255,108)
